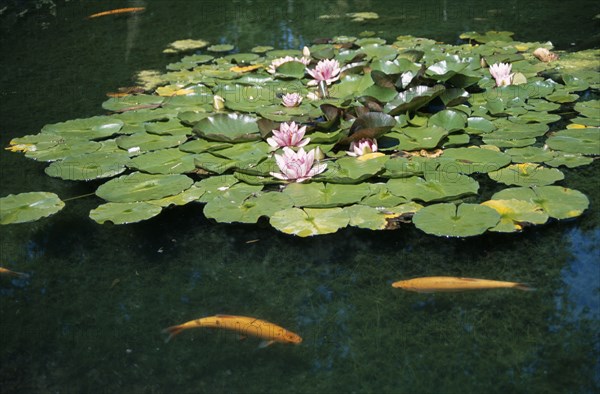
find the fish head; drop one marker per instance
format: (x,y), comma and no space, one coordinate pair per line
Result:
(291,337)
(400,284)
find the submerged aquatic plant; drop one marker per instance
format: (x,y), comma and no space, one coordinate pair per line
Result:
(297,166)
(501,73)
(327,70)
(362,147)
(289,134)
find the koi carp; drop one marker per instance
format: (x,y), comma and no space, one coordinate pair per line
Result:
(117,11)
(245,326)
(7,272)
(448,284)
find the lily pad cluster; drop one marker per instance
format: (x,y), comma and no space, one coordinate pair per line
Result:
(441,125)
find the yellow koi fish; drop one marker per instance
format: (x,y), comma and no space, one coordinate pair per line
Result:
(7,272)
(117,11)
(244,326)
(449,283)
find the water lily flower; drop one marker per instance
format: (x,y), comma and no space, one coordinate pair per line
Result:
(362,147)
(291,99)
(297,166)
(501,73)
(288,135)
(276,63)
(327,70)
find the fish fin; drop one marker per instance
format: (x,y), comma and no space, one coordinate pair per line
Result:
(264,344)
(524,287)
(172,331)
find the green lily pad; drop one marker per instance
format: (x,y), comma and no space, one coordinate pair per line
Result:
(370,125)
(488,36)
(28,207)
(143,187)
(350,85)
(325,195)
(242,58)
(570,160)
(402,167)
(124,213)
(146,142)
(515,214)
(202,145)
(353,170)
(248,210)
(449,119)
(589,109)
(170,127)
(95,128)
(380,196)
(137,101)
(221,48)
(228,128)
(261,49)
(557,201)
(584,141)
(89,166)
(362,216)
(413,98)
(435,186)
(291,69)
(529,155)
(472,160)
(450,220)
(308,222)
(526,174)
(64,150)
(194,193)
(166,161)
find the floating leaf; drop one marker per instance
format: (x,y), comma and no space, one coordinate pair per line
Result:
(515,214)
(450,220)
(354,170)
(28,207)
(146,142)
(585,141)
(142,187)
(166,161)
(307,222)
(325,195)
(89,166)
(63,150)
(471,160)
(228,128)
(527,174)
(248,210)
(124,213)
(448,119)
(437,186)
(221,48)
(95,128)
(413,98)
(558,202)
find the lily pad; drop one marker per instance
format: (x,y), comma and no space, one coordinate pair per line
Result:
(526,174)
(89,166)
(325,195)
(28,207)
(435,186)
(64,150)
(557,201)
(166,161)
(124,213)
(449,119)
(221,48)
(228,128)
(516,214)
(354,170)
(413,98)
(308,222)
(146,142)
(249,210)
(585,141)
(450,220)
(472,160)
(143,187)
(95,128)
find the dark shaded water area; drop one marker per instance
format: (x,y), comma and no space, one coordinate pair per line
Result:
(89,317)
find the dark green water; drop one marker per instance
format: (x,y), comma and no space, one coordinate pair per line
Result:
(89,318)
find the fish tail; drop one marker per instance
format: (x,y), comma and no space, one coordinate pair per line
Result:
(172,331)
(524,287)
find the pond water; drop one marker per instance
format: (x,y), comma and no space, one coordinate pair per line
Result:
(90,315)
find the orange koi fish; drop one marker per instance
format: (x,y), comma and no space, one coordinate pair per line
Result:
(117,11)
(245,326)
(449,283)
(7,272)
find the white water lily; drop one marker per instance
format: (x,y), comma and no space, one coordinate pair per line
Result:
(291,99)
(297,166)
(501,73)
(289,134)
(362,147)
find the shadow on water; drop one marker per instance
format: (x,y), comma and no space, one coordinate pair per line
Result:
(91,313)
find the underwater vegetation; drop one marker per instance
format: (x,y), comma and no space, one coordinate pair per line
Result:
(353,132)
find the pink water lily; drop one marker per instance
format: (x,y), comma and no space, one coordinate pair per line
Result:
(327,70)
(501,73)
(297,166)
(362,147)
(291,99)
(289,134)
(272,69)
